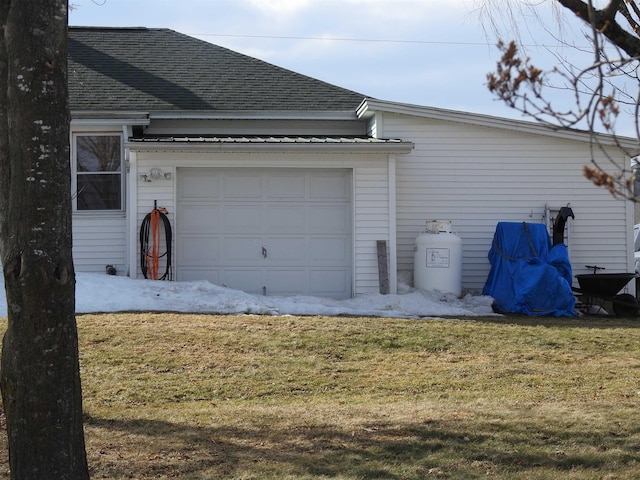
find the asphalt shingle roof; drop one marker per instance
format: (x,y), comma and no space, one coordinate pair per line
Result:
(145,69)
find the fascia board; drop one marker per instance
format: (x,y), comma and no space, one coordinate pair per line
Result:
(256,115)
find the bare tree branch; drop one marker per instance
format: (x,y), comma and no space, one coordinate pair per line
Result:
(598,93)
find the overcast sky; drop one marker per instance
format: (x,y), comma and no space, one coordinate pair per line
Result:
(426,52)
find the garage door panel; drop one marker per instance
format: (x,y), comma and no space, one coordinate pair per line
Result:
(335,251)
(190,274)
(330,283)
(246,186)
(248,280)
(329,186)
(199,185)
(286,250)
(285,281)
(236,250)
(286,219)
(327,219)
(242,219)
(196,218)
(285,186)
(199,250)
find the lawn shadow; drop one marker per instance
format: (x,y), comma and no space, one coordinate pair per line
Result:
(440,449)
(599,322)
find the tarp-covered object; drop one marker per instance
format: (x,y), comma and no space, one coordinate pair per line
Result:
(527,274)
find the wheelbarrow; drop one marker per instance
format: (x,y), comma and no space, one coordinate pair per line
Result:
(598,288)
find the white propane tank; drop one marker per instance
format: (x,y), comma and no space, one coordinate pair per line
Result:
(437,263)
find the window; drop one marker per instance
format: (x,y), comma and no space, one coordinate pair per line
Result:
(99,179)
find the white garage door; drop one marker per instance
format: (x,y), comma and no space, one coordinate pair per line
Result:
(266,231)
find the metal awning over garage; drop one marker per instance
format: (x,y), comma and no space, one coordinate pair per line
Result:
(265,142)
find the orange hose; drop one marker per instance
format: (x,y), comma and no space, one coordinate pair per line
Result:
(153,256)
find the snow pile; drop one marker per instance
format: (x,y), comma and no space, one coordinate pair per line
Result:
(105,293)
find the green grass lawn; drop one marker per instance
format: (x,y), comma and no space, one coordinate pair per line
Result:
(252,397)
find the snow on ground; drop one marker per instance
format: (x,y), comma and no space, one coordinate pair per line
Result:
(105,293)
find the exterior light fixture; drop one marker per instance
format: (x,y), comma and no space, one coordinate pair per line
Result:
(155,174)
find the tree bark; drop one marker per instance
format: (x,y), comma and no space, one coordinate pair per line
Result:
(39,371)
(604,21)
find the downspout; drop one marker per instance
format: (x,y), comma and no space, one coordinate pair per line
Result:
(126,134)
(393,249)
(376,129)
(634,287)
(132,214)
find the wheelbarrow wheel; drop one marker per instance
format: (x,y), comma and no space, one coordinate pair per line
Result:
(625,305)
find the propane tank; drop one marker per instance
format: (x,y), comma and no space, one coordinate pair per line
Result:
(437,261)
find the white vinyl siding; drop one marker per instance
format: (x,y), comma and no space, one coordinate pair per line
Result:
(98,241)
(370,193)
(371,214)
(477,176)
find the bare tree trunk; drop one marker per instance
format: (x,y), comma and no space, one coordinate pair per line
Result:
(39,375)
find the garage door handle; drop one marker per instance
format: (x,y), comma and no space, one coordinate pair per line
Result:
(264,252)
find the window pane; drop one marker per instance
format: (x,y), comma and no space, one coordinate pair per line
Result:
(98,153)
(99,192)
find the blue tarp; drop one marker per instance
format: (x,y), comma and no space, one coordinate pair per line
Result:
(528,275)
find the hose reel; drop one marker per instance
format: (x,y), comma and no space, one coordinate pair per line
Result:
(151,244)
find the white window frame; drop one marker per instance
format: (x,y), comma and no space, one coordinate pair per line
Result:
(74,171)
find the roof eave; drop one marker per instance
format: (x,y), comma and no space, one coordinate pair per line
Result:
(104,117)
(94,117)
(369,107)
(256,115)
